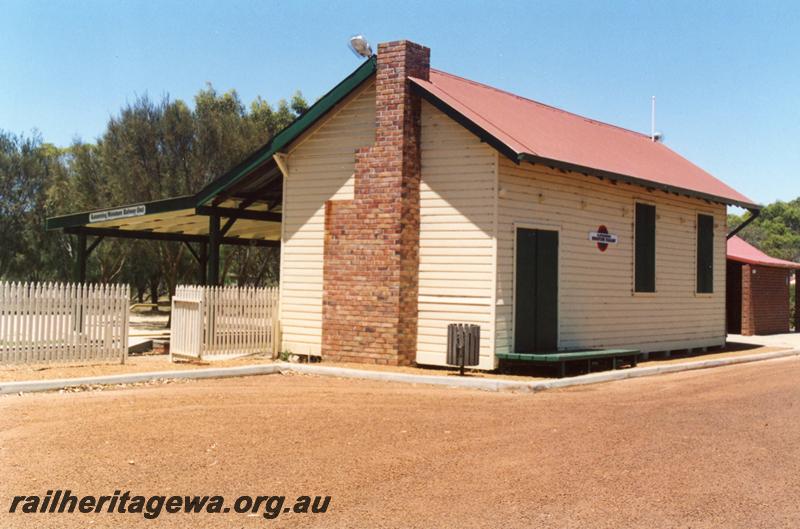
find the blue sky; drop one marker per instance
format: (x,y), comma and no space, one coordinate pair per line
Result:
(726,74)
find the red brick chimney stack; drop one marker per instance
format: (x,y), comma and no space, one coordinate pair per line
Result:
(370,271)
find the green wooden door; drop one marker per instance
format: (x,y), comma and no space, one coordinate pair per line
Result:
(536,295)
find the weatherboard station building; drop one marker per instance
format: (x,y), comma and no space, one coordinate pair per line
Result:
(408,198)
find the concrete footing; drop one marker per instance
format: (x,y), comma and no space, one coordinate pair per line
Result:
(486,384)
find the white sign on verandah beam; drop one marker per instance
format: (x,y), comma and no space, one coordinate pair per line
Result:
(118,213)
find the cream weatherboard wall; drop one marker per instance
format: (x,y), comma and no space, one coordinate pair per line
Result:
(457,236)
(597,306)
(320,167)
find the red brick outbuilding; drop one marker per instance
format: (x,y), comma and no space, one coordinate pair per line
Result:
(758,290)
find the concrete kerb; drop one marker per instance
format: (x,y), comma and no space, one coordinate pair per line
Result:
(485,384)
(132,378)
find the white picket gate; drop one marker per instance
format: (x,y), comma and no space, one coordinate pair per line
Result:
(47,322)
(213,323)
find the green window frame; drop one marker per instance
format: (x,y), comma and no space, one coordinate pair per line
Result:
(705,254)
(644,239)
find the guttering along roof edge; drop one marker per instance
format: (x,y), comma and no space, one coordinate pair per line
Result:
(788,265)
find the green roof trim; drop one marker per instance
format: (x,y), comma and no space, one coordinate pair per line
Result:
(290,133)
(150,208)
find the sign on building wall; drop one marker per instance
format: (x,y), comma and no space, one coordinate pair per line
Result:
(602,238)
(118,213)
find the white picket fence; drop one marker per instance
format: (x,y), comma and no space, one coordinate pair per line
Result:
(213,323)
(47,322)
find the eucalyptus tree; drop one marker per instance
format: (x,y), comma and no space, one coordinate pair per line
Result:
(27,168)
(776,231)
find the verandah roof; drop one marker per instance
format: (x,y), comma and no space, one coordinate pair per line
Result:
(249,196)
(177,219)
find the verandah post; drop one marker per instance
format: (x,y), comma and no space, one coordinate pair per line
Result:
(213,257)
(79,274)
(202,277)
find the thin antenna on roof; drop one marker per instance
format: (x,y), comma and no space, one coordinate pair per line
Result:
(653,118)
(654,136)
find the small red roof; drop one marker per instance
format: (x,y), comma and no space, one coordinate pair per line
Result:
(744,252)
(530,128)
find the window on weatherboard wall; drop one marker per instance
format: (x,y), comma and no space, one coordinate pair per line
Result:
(705,254)
(645,253)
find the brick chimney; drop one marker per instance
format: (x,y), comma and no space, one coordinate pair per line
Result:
(371,257)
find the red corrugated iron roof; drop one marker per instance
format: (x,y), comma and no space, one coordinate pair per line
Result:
(744,252)
(539,132)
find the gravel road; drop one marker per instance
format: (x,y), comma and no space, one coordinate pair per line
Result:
(702,449)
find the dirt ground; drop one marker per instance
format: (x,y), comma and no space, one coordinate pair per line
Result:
(144,363)
(702,449)
(134,364)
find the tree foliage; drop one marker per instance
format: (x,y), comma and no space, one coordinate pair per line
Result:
(150,150)
(776,231)
(27,167)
